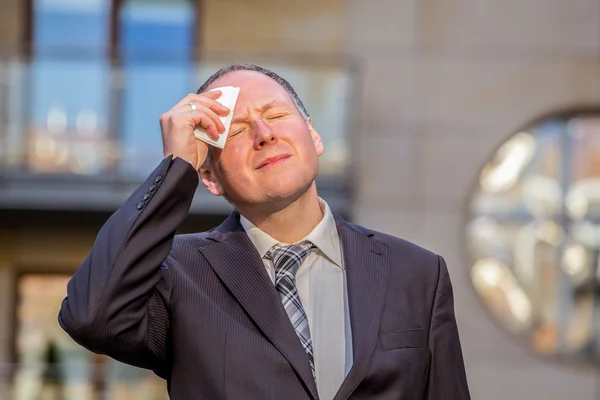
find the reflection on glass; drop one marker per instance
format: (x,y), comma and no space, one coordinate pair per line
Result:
(494,281)
(69,88)
(157,50)
(534,235)
(52,366)
(502,173)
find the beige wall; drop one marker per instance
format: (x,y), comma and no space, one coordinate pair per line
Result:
(272,26)
(445,82)
(6,311)
(11,24)
(45,249)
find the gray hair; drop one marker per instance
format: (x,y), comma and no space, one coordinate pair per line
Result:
(252,67)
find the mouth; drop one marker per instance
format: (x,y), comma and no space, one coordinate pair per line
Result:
(273,161)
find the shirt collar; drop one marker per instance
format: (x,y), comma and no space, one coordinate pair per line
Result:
(260,239)
(324,236)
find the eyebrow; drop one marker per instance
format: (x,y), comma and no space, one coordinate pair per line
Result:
(265,107)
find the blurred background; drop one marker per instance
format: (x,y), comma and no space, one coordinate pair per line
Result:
(471,127)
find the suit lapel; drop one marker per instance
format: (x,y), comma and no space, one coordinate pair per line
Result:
(237,263)
(366,261)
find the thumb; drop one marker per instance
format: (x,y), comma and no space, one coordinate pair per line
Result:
(202,151)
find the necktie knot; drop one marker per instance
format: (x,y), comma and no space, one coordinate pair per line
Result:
(288,259)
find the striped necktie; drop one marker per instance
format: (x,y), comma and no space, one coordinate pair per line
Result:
(287,260)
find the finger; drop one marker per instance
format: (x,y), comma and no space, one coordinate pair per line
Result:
(211,103)
(215,106)
(214,94)
(203,120)
(202,149)
(202,109)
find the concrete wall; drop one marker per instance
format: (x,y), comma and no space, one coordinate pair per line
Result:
(6,311)
(446,82)
(11,24)
(271,26)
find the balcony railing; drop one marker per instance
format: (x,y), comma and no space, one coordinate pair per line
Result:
(79,132)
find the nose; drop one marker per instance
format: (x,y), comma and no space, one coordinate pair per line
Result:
(263,135)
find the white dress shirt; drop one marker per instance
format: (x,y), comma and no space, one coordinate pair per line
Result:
(321,283)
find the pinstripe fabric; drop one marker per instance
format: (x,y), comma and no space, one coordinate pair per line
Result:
(287,260)
(202,312)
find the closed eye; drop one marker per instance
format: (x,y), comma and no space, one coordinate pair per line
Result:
(236,132)
(276,116)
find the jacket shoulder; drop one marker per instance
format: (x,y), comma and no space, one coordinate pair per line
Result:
(183,242)
(186,245)
(402,249)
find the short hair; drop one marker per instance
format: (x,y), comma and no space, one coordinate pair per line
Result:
(252,67)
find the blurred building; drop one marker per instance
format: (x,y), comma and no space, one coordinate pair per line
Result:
(427,110)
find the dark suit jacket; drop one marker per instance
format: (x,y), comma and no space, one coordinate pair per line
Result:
(201,311)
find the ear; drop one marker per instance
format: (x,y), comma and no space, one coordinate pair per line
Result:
(315,137)
(210,179)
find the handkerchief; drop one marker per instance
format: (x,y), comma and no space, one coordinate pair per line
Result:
(228,98)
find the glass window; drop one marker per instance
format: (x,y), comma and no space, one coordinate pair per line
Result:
(52,366)
(157,50)
(80,25)
(534,235)
(69,87)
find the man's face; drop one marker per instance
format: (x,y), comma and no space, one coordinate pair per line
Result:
(271,154)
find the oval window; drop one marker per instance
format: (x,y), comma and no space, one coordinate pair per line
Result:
(533,235)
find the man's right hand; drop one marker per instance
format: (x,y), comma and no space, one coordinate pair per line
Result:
(178,124)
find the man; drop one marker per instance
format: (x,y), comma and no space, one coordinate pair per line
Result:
(285,299)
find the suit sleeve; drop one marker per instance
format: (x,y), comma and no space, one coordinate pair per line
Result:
(117,300)
(447,379)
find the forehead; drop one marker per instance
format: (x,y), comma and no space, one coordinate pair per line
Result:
(255,87)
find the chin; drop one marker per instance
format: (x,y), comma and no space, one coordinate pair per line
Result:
(288,190)
(278,189)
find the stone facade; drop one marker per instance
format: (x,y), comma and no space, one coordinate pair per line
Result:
(457,78)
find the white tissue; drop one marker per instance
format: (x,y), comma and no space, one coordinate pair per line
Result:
(228,98)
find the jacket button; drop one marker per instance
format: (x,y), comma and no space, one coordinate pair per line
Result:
(146,197)
(158,179)
(153,187)
(140,205)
